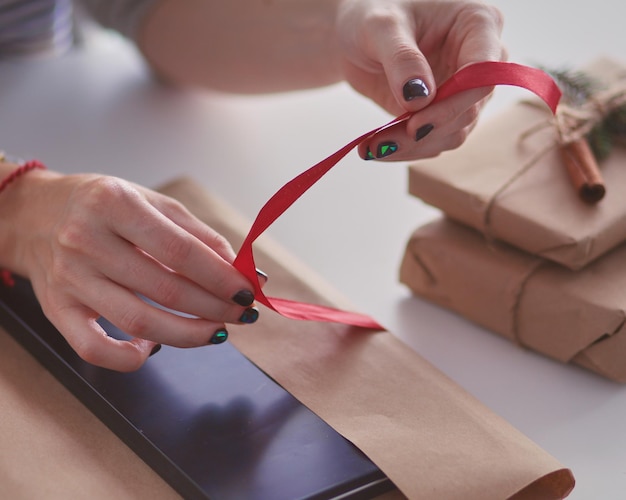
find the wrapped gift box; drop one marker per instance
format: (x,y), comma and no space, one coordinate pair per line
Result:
(572,316)
(509,182)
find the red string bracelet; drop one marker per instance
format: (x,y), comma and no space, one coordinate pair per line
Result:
(5,275)
(19,171)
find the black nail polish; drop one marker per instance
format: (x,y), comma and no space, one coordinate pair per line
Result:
(423,131)
(249,316)
(369,155)
(262,276)
(243,298)
(219,336)
(386,149)
(155,349)
(414,88)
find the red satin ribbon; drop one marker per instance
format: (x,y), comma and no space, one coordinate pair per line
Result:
(477,75)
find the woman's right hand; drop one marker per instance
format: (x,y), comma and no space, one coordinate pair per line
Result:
(92,245)
(398,52)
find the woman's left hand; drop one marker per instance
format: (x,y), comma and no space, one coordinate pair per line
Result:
(397,52)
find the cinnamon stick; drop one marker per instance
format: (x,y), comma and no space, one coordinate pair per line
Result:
(583,170)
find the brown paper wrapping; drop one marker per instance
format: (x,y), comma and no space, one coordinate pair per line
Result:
(509,182)
(52,447)
(434,440)
(428,435)
(571,316)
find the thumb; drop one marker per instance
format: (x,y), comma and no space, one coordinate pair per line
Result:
(408,73)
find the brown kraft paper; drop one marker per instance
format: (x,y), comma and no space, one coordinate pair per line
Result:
(53,447)
(433,439)
(508,181)
(571,316)
(430,437)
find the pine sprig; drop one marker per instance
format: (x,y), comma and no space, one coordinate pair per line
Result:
(577,88)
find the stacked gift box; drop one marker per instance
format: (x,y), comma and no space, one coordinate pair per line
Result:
(517,250)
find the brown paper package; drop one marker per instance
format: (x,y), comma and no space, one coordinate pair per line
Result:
(509,182)
(571,316)
(433,439)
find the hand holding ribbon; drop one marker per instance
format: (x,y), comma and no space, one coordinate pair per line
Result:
(482,74)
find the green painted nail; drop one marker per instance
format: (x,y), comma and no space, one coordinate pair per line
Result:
(386,149)
(249,316)
(219,336)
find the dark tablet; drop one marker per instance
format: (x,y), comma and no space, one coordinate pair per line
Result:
(207,420)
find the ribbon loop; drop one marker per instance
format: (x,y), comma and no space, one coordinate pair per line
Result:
(484,74)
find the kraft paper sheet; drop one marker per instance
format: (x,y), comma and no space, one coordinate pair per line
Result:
(429,436)
(538,211)
(53,447)
(433,439)
(572,316)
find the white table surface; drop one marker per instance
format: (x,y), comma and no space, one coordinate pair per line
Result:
(98,110)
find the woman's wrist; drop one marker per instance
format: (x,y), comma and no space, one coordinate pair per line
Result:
(22,207)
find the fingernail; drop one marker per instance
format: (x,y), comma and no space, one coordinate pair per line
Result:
(219,336)
(369,155)
(243,298)
(155,349)
(249,316)
(423,131)
(414,88)
(261,275)
(383,149)
(386,149)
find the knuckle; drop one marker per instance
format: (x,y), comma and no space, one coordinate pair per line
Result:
(472,114)
(381,19)
(482,15)
(458,138)
(134,323)
(497,16)
(101,191)
(86,203)
(50,305)
(174,207)
(168,292)
(88,351)
(404,52)
(74,234)
(219,243)
(176,250)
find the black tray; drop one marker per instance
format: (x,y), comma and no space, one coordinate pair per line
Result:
(207,420)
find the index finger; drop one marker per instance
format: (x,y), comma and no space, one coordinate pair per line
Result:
(206,262)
